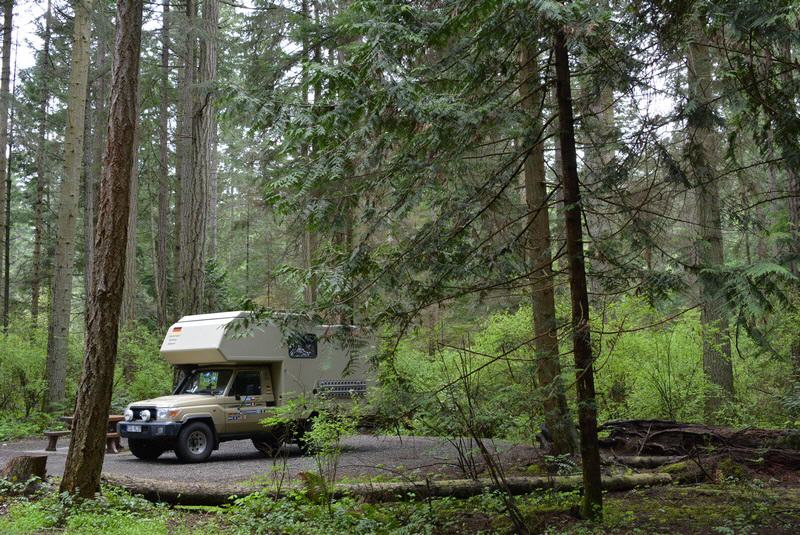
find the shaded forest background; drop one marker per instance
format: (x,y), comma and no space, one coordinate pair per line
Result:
(398,165)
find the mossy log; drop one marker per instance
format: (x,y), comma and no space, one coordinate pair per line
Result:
(24,467)
(663,437)
(182,493)
(646,461)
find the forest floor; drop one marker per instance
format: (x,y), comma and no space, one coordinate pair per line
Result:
(729,507)
(733,499)
(363,456)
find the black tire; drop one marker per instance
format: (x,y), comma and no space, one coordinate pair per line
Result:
(145,449)
(306,447)
(269,446)
(195,443)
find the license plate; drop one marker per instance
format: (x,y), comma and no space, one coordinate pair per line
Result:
(134,428)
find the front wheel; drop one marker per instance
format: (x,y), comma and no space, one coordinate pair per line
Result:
(195,443)
(145,449)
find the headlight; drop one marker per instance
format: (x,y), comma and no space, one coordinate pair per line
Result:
(128,414)
(144,415)
(166,414)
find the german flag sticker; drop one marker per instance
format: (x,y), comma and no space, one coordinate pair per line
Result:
(177,330)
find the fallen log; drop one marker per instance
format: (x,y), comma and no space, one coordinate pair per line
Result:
(645,461)
(664,437)
(182,493)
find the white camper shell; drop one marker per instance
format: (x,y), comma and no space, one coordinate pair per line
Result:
(303,359)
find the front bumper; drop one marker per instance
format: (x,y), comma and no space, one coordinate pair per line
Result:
(149,430)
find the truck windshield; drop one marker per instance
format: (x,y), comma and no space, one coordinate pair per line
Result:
(211,382)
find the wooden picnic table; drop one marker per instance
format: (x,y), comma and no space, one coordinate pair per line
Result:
(113,443)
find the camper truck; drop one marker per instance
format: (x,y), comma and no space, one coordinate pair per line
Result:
(233,378)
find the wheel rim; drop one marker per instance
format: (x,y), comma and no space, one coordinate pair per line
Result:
(197,442)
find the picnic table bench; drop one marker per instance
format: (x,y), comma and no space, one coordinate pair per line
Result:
(113,444)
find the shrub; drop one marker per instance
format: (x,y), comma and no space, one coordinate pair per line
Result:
(648,365)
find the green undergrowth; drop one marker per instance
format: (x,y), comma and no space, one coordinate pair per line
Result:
(729,507)
(646,368)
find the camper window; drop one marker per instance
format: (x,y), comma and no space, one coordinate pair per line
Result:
(247,383)
(303,346)
(206,382)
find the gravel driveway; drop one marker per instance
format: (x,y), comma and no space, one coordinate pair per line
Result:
(238,461)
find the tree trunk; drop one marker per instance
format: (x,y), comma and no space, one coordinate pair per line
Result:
(548,367)
(700,149)
(309,244)
(128,312)
(309,250)
(5,103)
(194,202)
(87,447)
(598,126)
(93,158)
(21,468)
(212,196)
(58,331)
(88,195)
(794,192)
(183,152)
(195,199)
(7,238)
(160,264)
(592,505)
(41,173)
(790,159)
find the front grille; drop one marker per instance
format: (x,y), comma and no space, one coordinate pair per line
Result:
(341,389)
(137,411)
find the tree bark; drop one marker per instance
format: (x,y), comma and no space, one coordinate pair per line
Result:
(88,197)
(790,159)
(548,367)
(598,126)
(160,264)
(58,331)
(5,103)
(7,238)
(93,156)
(21,468)
(87,447)
(794,194)
(183,152)
(309,250)
(195,199)
(128,312)
(592,504)
(41,172)
(700,148)
(212,195)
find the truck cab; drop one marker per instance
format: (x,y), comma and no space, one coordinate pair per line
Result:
(232,381)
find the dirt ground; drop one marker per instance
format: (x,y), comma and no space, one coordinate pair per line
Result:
(363,456)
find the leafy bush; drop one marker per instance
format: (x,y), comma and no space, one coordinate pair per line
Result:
(648,365)
(22,359)
(17,425)
(141,372)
